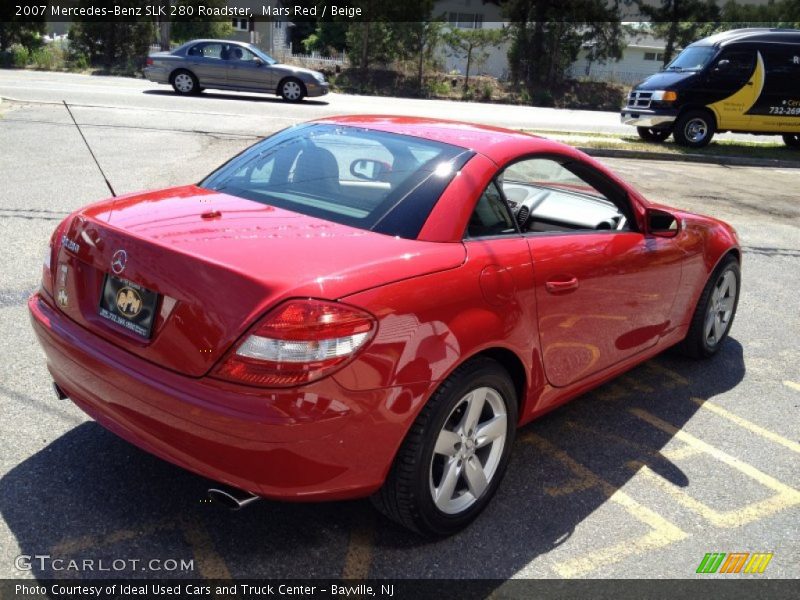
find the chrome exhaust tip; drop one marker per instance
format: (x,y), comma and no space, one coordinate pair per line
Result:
(229,501)
(59,392)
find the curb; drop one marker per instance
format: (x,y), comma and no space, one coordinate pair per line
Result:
(714,159)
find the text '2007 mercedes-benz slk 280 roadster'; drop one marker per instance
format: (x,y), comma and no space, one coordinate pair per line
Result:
(371,306)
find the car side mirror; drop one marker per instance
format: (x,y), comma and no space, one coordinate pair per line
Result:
(259,62)
(367,168)
(660,223)
(723,65)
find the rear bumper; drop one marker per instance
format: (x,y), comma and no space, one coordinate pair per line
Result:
(156,74)
(639,117)
(316,442)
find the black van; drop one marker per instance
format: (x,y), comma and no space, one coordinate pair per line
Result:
(744,80)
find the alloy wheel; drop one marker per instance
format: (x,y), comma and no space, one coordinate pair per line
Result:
(720,308)
(468,450)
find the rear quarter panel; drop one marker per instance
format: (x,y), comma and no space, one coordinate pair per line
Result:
(429,325)
(706,241)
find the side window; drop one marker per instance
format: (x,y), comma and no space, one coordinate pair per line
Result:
(241,54)
(491,216)
(207,50)
(547,196)
(735,66)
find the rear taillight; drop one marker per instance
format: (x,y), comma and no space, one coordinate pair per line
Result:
(149,62)
(298,342)
(47,269)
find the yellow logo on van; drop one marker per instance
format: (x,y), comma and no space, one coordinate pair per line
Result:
(129,302)
(732,110)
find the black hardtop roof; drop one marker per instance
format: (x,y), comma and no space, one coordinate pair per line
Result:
(751,35)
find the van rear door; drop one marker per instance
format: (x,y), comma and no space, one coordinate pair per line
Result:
(778,108)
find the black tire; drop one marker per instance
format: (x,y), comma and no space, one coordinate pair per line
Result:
(694,128)
(292,89)
(407,494)
(650,134)
(185,83)
(792,140)
(697,343)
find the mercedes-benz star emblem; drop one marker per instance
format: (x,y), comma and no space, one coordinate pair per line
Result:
(118,261)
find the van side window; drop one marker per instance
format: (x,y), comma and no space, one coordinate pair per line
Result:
(735,66)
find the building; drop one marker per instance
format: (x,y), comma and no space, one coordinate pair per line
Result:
(643,55)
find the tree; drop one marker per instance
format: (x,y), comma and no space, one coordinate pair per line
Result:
(679,22)
(473,44)
(195,26)
(27,33)
(113,45)
(547,35)
(327,36)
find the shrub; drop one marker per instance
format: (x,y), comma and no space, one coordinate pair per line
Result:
(19,55)
(78,61)
(47,58)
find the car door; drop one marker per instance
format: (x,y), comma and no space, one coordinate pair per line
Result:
(734,81)
(499,259)
(248,72)
(206,61)
(603,289)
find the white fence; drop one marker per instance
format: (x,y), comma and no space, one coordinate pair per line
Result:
(314,60)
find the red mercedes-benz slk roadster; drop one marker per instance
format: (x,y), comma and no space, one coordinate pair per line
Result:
(370,306)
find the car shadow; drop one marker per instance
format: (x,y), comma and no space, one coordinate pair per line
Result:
(90,495)
(243,96)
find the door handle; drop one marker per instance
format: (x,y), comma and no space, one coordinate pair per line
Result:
(561,286)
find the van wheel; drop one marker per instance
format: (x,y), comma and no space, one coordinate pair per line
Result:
(694,129)
(792,140)
(453,458)
(650,134)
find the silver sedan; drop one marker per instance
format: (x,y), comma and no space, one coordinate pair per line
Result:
(228,65)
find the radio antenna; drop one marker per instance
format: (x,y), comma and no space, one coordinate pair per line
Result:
(99,168)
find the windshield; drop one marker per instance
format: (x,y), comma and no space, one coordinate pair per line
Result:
(367,179)
(692,58)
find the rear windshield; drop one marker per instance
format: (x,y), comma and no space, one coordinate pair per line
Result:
(693,58)
(367,179)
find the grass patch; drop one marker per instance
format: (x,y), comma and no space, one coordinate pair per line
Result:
(728,148)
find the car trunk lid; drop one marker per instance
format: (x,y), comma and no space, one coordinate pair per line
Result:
(218,262)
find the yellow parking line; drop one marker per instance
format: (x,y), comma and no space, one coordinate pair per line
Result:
(671,454)
(792,384)
(210,564)
(358,560)
(663,532)
(676,377)
(785,497)
(749,425)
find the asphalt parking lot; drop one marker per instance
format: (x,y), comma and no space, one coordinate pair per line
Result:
(640,478)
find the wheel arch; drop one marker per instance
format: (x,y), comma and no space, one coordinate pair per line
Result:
(701,107)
